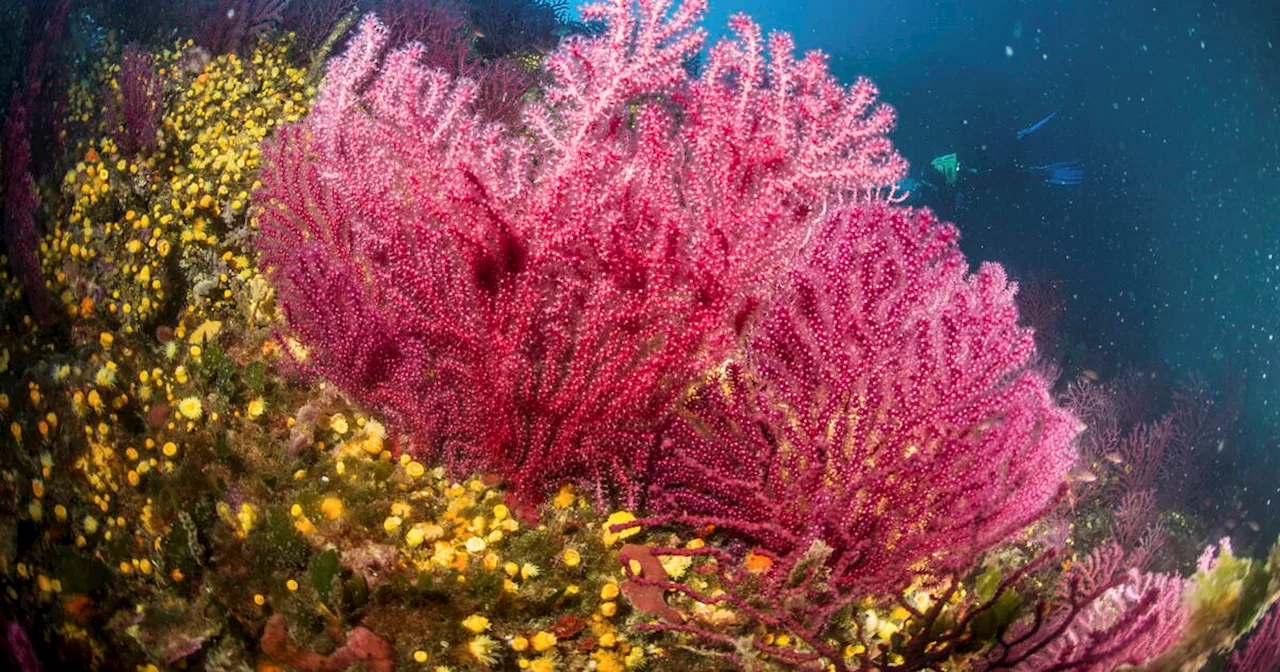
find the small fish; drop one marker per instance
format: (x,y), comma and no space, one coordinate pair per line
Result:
(1036,126)
(1081,475)
(1061,172)
(1222,443)
(1090,374)
(1114,457)
(1252,525)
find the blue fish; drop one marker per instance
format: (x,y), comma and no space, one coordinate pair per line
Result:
(1036,126)
(1067,173)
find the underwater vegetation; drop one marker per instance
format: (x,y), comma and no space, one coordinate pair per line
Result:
(431,335)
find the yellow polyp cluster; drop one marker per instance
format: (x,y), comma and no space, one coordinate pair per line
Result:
(884,624)
(467,534)
(160,228)
(242,519)
(544,596)
(114,500)
(564,498)
(618,518)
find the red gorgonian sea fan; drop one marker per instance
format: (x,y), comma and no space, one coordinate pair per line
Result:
(885,407)
(533,303)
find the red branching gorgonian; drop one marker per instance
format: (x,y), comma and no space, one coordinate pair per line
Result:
(885,407)
(533,303)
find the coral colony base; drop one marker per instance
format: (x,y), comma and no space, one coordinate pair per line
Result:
(479,346)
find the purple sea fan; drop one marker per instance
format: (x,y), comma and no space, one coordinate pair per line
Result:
(19,198)
(502,88)
(1103,616)
(21,654)
(225,26)
(1130,623)
(134,116)
(884,407)
(439,25)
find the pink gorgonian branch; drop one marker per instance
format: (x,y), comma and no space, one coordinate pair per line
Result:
(1103,616)
(885,406)
(533,303)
